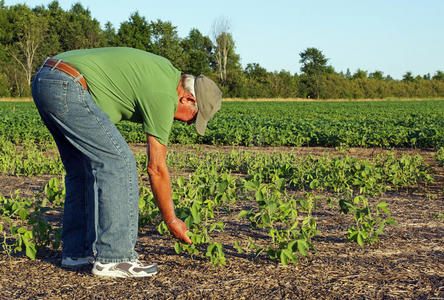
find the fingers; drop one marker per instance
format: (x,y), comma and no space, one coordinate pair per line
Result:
(186,238)
(179,230)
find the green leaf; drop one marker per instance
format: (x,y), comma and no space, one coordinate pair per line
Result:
(360,240)
(23,214)
(286,255)
(142,203)
(280,184)
(357,199)
(219,225)
(242,214)
(225,198)
(180,181)
(303,247)
(314,184)
(219,248)
(238,247)
(290,246)
(283,258)
(259,196)
(295,225)
(383,207)
(391,221)
(222,186)
(272,206)
(31,250)
(351,234)
(251,186)
(195,212)
(162,228)
(177,247)
(210,249)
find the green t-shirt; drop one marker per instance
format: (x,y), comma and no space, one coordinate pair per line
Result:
(130,84)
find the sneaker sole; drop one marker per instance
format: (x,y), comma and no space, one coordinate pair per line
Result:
(73,265)
(106,276)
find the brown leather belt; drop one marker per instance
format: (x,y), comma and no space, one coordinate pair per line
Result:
(68,69)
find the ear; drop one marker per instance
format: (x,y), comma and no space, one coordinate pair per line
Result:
(188,99)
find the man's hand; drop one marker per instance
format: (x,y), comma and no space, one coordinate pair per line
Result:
(179,230)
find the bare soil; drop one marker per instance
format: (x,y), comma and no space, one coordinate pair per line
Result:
(407,262)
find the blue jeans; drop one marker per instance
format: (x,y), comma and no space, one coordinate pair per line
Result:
(101,204)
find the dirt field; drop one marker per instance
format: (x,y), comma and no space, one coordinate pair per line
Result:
(406,263)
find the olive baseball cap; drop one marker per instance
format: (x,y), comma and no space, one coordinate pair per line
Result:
(209,100)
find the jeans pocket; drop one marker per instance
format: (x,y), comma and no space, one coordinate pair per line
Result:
(52,95)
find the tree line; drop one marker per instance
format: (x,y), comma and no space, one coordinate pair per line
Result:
(29,35)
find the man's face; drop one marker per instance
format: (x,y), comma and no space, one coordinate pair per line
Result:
(193,120)
(186,110)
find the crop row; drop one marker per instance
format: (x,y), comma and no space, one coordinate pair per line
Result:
(200,200)
(29,159)
(220,183)
(357,124)
(337,174)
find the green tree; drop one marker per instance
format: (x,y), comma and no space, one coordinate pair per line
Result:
(378,75)
(27,34)
(408,77)
(198,52)
(360,74)
(109,34)
(6,33)
(135,33)
(236,84)
(314,67)
(56,17)
(165,42)
(72,29)
(282,84)
(388,78)
(83,30)
(256,72)
(256,81)
(313,62)
(224,54)
(439,75)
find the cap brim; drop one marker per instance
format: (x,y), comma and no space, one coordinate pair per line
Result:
(208,98)
(201,124)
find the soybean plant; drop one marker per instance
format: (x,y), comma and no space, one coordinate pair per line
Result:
(289,222)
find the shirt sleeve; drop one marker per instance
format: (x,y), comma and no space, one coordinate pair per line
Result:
(157,112)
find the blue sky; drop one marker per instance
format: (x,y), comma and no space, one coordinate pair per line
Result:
(393,36)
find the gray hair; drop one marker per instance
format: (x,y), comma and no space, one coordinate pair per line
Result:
(188,84)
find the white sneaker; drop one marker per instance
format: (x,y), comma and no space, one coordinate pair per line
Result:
(130,269)
(69,262)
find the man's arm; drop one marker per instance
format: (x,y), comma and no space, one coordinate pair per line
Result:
(161,187)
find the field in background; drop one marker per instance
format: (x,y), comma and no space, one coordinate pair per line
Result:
(326,124)
(273,99)
(327,100)
(258,164)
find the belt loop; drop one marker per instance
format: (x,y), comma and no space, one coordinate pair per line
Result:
(78,78)
(55,66)
(44,62)
(38,71)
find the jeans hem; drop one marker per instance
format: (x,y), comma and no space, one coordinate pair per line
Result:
(116,260)
(64,255)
